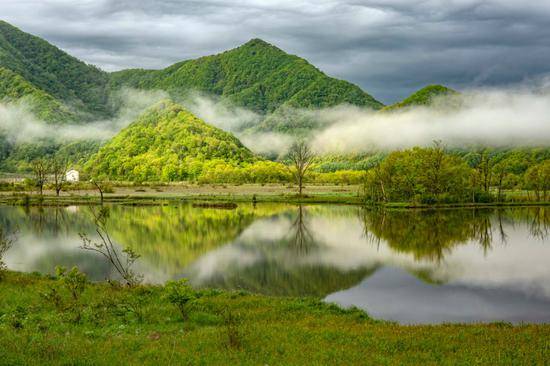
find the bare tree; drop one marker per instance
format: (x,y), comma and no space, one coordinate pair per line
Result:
(40,171)
(59,172)
(99,186)
(301,158)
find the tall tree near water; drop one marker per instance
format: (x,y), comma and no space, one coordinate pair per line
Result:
(301,157)
(59,174)
(40,172)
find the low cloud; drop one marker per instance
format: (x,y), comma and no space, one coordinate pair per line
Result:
(499,118)
(268,144)
(20,125)
(225,115)
(220,113)
(489,117)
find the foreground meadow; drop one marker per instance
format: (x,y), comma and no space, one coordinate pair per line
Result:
(48,320)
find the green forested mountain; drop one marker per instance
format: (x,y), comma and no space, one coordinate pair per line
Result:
(59,88)
(54,73)
(166,143)
(256,75)
(424,96)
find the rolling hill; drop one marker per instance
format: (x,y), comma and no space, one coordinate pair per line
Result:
(166,143)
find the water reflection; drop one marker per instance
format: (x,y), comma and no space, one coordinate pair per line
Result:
(411,266)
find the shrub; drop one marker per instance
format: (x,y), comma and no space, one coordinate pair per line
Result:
(74,281)
(179,293)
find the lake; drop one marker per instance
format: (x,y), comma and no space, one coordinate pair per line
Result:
(410,266)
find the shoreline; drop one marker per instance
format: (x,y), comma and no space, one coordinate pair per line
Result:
(143,199)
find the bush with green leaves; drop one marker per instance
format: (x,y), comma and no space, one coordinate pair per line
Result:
(180,294)
(74,281)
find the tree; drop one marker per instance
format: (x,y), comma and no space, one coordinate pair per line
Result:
(40,171)
(484,166)
(537,178)
(301,157)
(426,175)
(99,186)
(59,173)
(501,170)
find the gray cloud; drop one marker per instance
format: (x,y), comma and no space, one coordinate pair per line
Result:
(389,47)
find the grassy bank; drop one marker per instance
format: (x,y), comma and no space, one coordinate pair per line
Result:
(109,324)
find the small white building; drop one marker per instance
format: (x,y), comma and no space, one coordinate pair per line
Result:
(72,176)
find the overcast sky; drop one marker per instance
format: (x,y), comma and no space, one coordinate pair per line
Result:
(389,48)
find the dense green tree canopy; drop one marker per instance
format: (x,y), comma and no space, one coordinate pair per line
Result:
(256,75)
(167,143)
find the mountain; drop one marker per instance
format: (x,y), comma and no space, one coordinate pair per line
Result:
(58,88)
(49,71)
(166,143)
(256,75)
(425,96)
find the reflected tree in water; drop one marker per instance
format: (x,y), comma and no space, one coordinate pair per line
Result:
(431,234)
(427,234)
(300,235)
(540,223)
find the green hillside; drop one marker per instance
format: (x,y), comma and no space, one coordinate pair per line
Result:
(256,75)
(52,71)
(166,143)
(14,88)
(425,96)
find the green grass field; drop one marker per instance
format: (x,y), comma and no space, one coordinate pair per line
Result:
(110,324)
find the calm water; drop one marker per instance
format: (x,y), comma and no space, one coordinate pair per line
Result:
(408,266)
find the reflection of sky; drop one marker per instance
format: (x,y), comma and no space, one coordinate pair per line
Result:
(510,281)
(394,294)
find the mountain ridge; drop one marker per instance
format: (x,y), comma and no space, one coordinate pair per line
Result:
(256,75)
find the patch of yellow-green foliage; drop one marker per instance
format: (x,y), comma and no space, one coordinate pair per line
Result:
(423,97)
(42,323)
(168,143)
